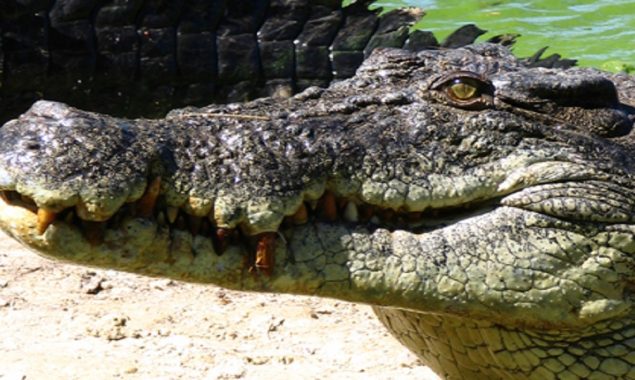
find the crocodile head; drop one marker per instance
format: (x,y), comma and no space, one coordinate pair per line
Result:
(453,182)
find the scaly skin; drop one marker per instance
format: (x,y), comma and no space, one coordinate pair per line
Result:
(142,58)
(146,57)
(494,235)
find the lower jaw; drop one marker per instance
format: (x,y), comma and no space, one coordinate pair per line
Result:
(138,246)
(142,246)
(305,259)
(312,259)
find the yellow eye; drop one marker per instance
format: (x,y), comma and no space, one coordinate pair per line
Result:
(461,90)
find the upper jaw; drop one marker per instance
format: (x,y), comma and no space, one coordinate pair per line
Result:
(35,224)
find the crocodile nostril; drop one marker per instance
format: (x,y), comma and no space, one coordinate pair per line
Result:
(621,128)
(32,145)
(620,125)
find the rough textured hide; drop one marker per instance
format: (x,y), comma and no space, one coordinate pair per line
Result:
(145,57)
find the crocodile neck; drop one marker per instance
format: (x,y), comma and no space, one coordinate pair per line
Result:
(464,348)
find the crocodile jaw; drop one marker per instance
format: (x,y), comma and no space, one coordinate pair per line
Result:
(441,271)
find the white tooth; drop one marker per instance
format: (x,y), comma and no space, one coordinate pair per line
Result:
(172,212)
(350,212)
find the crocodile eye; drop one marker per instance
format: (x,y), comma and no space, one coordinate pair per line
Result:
(464,89)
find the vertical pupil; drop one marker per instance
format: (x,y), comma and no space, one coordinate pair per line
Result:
(462,90)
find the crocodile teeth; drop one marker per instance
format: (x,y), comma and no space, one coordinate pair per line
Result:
(222,239)
(44,219)
(350,212)
(327,207)
(145,206)
(300,216)
(265,255)
(172,213)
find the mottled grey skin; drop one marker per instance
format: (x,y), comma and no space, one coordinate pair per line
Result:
(519,266)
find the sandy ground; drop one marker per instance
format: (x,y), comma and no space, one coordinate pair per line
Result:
(59,321)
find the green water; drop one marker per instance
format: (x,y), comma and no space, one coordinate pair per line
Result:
(599,33)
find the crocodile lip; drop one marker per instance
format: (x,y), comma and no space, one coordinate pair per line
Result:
(26,219)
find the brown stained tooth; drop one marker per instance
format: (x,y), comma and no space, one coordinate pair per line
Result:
(145,205)
(265,253)
(94,232)
(222,240)
(44,219)
(327,207)
(366,212)
(300,216)
(195,224)
(172,213)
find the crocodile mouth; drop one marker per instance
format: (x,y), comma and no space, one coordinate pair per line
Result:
(32,224)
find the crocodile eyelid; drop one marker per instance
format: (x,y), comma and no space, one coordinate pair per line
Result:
(443,79)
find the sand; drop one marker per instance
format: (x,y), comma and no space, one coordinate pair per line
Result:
(59,321)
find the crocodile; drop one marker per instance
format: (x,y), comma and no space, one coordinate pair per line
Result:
(145,57)
(483,208)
